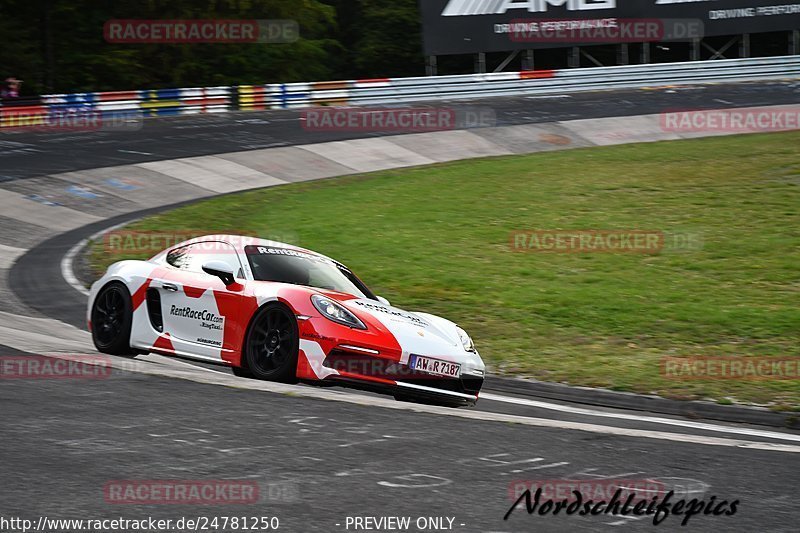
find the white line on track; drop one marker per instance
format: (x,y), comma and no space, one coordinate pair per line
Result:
(67,262)
(66,268)
(134,152)
(640,418)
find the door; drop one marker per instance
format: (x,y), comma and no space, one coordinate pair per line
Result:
(199,312)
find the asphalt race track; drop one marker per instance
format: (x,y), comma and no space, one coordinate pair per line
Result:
(330,461)
(321,455)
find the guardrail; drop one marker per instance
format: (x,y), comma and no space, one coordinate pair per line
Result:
(38,110)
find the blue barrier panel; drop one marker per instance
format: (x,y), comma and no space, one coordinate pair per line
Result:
(79,98)
(286,97)
(164,94)
(164,112)
(71,106)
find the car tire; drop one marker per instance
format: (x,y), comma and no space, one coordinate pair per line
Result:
(112,318)
(272,343)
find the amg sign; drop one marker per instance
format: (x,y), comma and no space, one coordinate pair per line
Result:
(469,26)
(456,8)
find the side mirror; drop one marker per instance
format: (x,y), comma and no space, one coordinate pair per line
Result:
(383,300)
(220,269)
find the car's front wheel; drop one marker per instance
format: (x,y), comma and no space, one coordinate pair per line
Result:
(272,344)
(112,317)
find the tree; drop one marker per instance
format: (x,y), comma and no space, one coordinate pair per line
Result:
(382,38)
(58,45)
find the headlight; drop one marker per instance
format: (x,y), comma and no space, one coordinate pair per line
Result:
(466,341)
(336,312)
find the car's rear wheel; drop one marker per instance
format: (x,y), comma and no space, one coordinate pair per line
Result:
(112,317)
(272,344)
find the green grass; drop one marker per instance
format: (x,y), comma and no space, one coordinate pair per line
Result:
(437,239)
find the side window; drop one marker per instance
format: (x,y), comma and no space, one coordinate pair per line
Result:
(194,256)
(179,257)
(203,252)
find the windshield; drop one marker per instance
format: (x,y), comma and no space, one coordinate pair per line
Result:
(290,266)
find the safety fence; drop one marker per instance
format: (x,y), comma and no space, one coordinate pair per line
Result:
(164,102)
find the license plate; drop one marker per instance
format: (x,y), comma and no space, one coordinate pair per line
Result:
(435,366)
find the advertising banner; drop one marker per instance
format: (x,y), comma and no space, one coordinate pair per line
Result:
(470,26)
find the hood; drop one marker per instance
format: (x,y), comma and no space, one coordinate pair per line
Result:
(416,333)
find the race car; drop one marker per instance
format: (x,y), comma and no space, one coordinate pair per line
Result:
(278,312)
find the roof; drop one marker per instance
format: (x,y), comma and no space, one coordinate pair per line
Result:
(239,242)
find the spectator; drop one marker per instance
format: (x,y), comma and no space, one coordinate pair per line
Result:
(11,90)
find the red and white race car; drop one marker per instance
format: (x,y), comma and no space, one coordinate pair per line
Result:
(278,312)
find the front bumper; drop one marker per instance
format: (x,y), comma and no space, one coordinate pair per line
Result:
(374,374)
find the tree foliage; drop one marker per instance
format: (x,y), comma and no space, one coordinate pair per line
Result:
(59,46)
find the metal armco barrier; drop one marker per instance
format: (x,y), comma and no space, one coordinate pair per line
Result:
(383,91)
(28,109)
(252,97)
